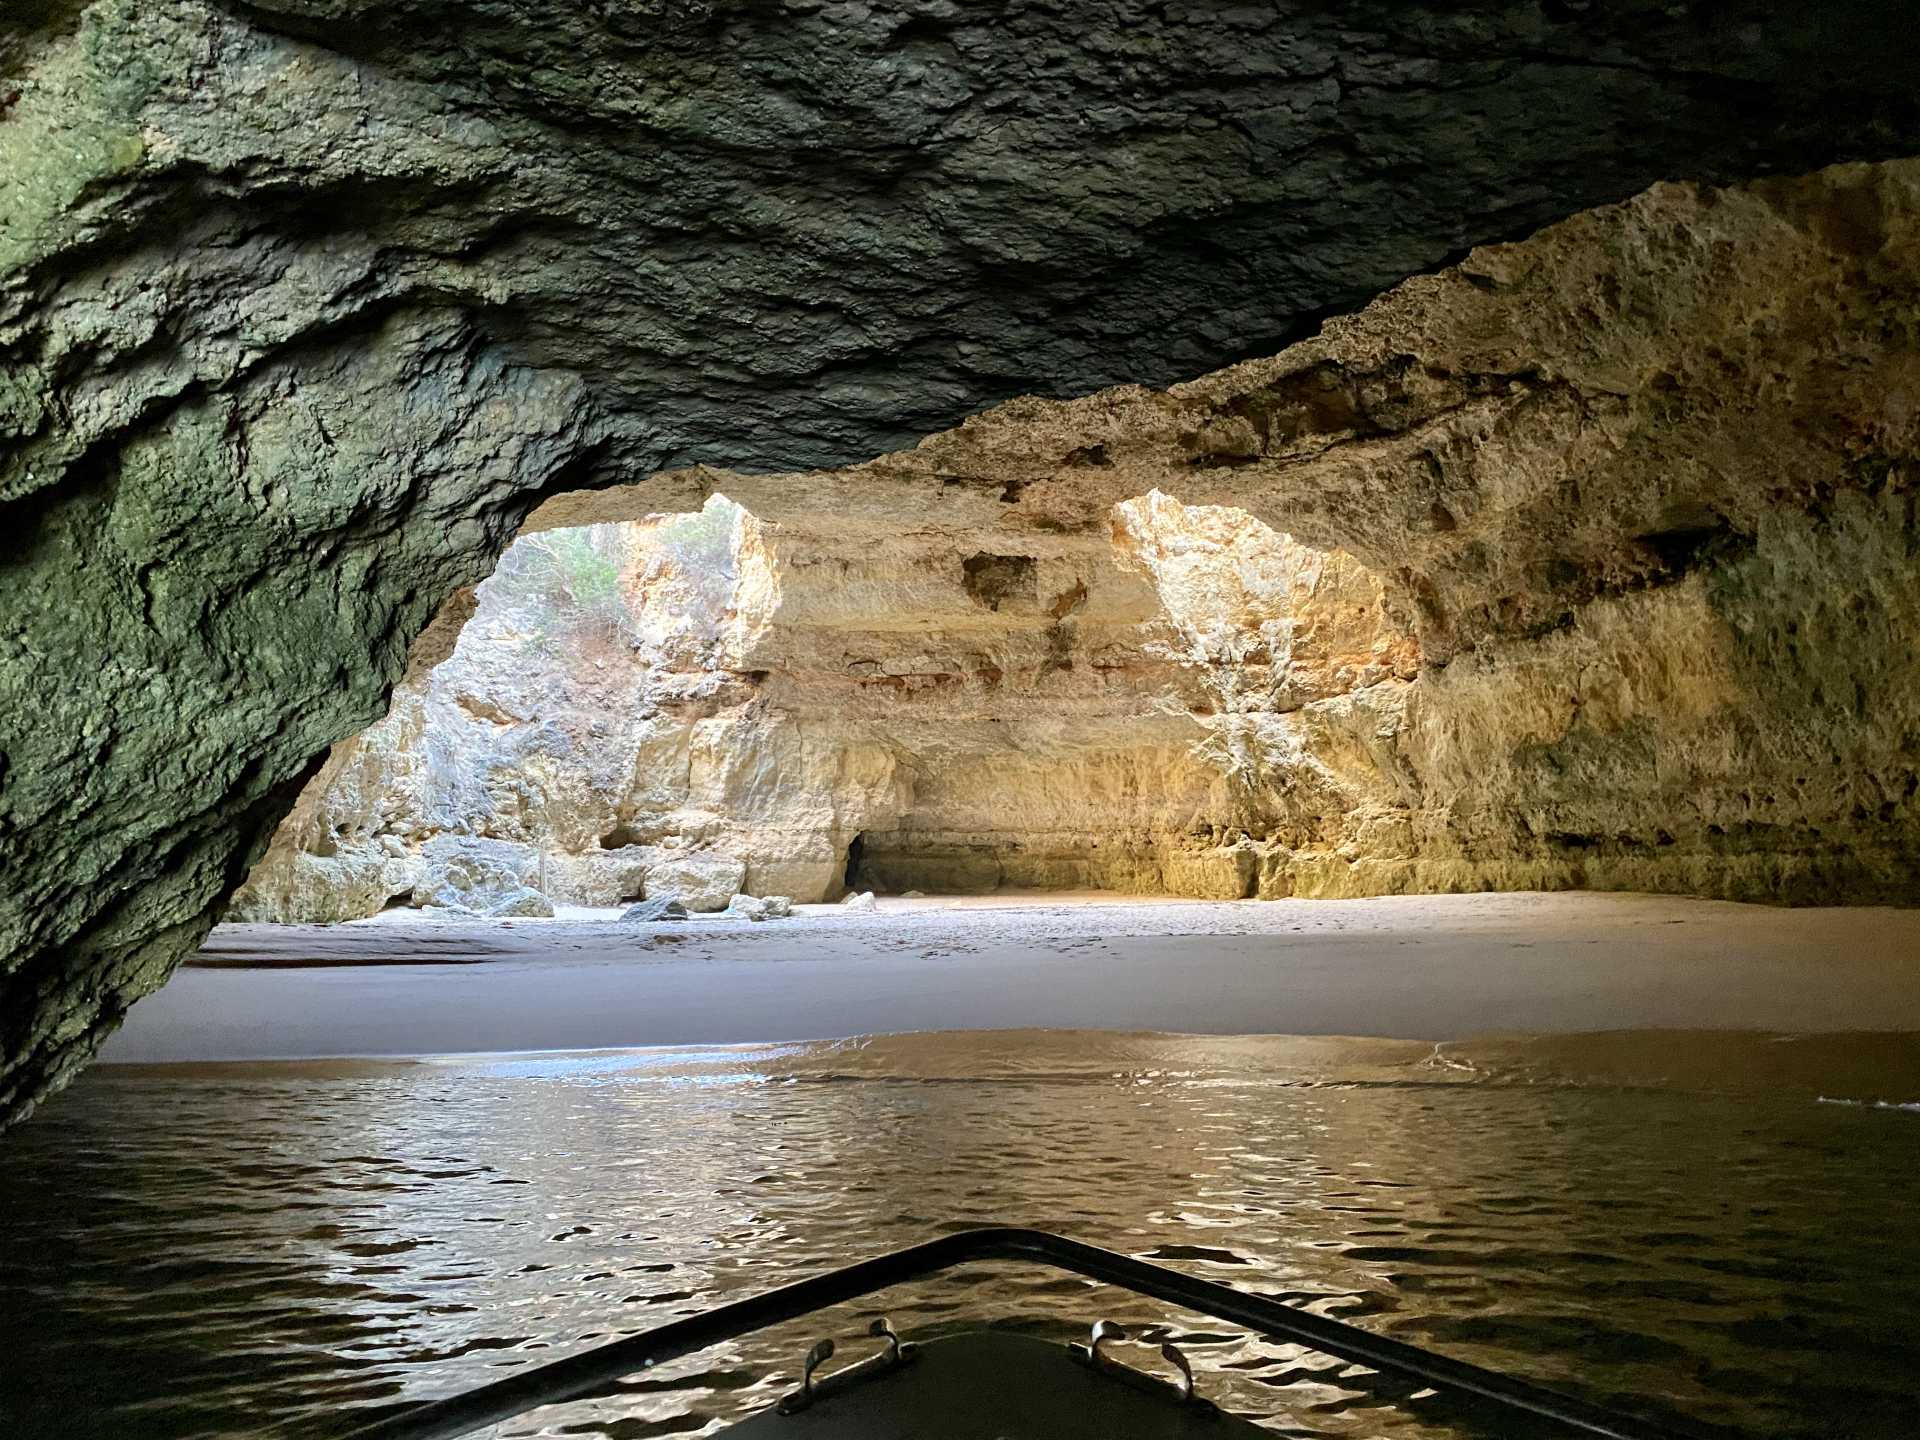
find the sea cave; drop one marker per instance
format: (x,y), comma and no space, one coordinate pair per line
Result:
(1283,640)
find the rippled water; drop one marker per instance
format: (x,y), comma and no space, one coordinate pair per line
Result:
(224,1251)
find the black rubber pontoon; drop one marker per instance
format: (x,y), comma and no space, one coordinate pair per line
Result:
(930,1405)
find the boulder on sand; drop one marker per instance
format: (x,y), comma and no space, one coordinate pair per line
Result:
(647,911)
(698,879)
(862,903)
(747,907)
(475,874)
(523,903)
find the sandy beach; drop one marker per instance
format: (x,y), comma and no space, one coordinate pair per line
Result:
(1428,968)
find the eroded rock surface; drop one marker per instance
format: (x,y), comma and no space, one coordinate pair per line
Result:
(682,708)
(1640,490)
(1598,568)
(303,303)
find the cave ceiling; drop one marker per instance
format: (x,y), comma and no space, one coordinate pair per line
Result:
(791,235)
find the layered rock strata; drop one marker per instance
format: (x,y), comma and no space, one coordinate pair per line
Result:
(304,306)
(784,711)
(1592,562)
(1641,490)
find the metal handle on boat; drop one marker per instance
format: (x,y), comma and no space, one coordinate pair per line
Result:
(1179,1362)
(596,1371)
(816,1357)
(1106,1332)
(891,1358)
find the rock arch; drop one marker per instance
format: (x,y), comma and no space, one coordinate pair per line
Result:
(305,305)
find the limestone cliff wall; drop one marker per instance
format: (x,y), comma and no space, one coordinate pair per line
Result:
(1640,489)
(1594,561)
(788,704)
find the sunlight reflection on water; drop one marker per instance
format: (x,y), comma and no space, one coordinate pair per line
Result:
(223,1250)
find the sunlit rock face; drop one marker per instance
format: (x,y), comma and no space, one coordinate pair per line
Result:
(1639,489)
(550,750)
(710,691)
(1024,706)
(304,303)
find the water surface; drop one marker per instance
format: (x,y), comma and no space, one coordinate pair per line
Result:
(231,1250)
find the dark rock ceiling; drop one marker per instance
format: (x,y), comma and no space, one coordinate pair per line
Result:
(787,235)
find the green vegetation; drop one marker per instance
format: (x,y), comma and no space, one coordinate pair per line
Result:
(569,582)
(586,582)
(699,547)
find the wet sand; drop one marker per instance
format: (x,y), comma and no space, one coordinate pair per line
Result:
(1429,968)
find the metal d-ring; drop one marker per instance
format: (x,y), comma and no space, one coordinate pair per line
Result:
(818,1356)
(895,1355)
(1106,1332)
(1179,1362)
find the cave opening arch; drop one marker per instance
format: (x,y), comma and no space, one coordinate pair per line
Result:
(258,533)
